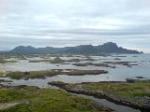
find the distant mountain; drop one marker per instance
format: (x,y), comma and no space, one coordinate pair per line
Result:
(106,48)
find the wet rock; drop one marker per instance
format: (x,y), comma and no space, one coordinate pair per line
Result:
(144,102)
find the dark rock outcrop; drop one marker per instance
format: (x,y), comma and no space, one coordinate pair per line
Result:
(76,88)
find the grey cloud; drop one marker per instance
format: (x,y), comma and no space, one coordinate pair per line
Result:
(71,21)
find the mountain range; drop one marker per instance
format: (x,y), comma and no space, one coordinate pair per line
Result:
(106,48)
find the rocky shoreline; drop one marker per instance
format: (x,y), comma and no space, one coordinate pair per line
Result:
(76,88)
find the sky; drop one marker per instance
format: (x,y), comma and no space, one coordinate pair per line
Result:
(60,23)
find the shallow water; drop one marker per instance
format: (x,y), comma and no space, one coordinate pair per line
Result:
(99,102)
(120,73)
(108,104)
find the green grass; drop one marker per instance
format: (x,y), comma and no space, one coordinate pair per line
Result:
(139,88)
(48,73)
(32,74)
(45,100)
(2,73)
(4,60)
(56,60)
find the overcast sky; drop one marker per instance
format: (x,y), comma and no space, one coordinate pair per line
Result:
(73,22)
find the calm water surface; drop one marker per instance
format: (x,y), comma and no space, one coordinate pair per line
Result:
(120,73)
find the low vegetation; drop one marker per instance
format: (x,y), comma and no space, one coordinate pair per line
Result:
(2,73)
(94,64)
(55,60)
(136,95)
(45,100)
(49,73)
(32,74)
(130,90)
(7,61)
(84,72)
(38,61)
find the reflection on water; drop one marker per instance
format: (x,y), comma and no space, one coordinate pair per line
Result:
(120,73)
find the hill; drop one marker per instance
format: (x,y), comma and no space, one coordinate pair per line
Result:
(106,48)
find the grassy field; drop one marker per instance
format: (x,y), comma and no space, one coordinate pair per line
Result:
(48,73)
(45,100)
(32,74)
(2,73)
(7,61)
(135,95)
(130,90)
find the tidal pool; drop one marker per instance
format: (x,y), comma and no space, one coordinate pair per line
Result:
(120,73)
